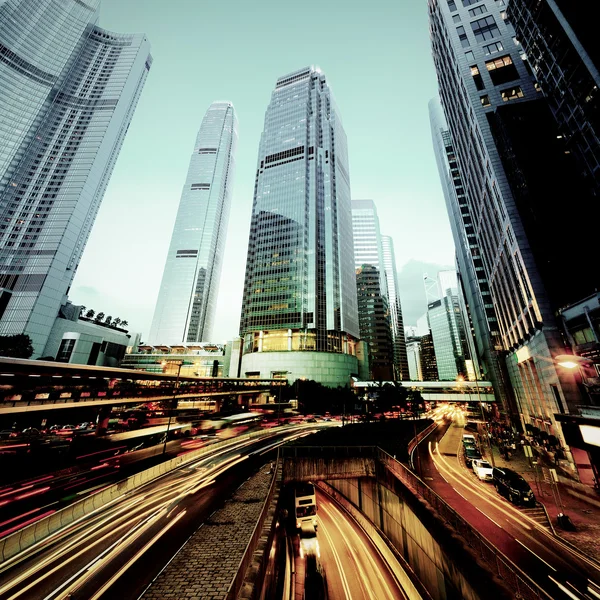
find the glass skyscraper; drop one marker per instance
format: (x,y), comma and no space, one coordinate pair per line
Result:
(187,298)
(68,90)
(299,312)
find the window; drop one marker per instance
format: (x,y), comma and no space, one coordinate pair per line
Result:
(469,55)
(502,70)
(512,94)
(485,29)
(462,36)
(485,101)
(477,77)
(65,350)
(470,2)
(493,48)
(451,5)
(478,10)
(456,18)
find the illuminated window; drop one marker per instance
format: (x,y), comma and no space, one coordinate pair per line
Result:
(512,94)
(485,101)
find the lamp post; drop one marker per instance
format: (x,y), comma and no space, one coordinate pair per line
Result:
(173,402)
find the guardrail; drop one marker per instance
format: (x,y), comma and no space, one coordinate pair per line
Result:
(417,440)
(500,564)
(19,541)
(236,584)
(328,451)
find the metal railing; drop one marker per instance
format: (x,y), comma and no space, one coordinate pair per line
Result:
(329,451)
(236,584)
(501,565)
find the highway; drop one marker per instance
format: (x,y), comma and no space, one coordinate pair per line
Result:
(352,566)
(118,550)
(559,570)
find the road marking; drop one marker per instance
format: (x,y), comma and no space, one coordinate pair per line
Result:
(338,563)
(537,556)
(490,518)
(592,591)
(564,589)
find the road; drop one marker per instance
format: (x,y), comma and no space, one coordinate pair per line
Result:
(560,571)
(353,568)
(117,551)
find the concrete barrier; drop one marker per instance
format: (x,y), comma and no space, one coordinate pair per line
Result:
(19,541)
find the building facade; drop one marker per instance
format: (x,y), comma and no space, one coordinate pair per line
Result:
(393,291)
(374,314)
(299,303)
(188,292)
(561,42)
(58,148)
(413,352)
(502,130)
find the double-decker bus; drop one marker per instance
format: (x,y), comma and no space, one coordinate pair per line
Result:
(305,504)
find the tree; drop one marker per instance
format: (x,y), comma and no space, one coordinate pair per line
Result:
(391,395)
(90,314)
(116,322)
(99,317)
(82,310)
(16,346)
(108,320)
(124,323)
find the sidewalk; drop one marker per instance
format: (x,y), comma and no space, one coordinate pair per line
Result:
(582,508)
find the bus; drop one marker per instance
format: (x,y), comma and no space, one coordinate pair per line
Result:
(228,427)
(305,504)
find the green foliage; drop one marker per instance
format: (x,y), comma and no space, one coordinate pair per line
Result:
(315,398)
(16,346)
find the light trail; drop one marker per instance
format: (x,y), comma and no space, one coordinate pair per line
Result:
(532,552)
(338,563)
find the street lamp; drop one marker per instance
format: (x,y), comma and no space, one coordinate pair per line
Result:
(173,402)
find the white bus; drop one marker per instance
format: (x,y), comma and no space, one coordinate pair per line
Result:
(305,504)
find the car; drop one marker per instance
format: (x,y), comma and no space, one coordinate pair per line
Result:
(30,432)
(471,454)
(84,425)
(309,544)
(6,434)
(468,438)
(513,486)
(482,469)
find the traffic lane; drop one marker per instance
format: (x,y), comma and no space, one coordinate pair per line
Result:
(545,552)
(448,486)
(353,566)
(57,554)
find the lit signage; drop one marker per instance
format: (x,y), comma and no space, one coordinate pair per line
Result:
(523,354)
(590,434)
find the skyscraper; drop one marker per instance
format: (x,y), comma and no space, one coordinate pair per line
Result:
(187,298)
(299,312)
(502,131)
(391,276)
(371,283)
(68,90)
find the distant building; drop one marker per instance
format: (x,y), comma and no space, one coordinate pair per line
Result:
(196,360)
(299,309)
(68,92)
(413,351)
(188,292)
(76,339)
(374,314)
(429,370)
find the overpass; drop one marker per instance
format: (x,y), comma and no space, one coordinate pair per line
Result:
(435,391)
(33,385)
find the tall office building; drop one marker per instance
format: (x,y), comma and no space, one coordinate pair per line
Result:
(391,276)
(503,130)
(374,313)
(299,312)
(68,90)
(188,292)
(413,353)
(474,289)
(561,42)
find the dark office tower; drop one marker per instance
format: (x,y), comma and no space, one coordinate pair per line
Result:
(484,340)
(299,313)
(429,370)
(561,40)
(68,90)
(371,284)
(391,275)
(502,131)
(374,321)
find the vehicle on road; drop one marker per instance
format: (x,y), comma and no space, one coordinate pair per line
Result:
(513,486)
(471,454)
(305,504)
(309,544)
(483,469)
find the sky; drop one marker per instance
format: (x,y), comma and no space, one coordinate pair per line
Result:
(376,57)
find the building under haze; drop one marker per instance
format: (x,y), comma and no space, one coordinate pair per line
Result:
(515,164)
(188,292)
(393,292)
(374,314)
(299,312)
(68,90)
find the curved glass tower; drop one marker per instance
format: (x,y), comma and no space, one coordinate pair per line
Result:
(68,90)
(188,292)
(300,287)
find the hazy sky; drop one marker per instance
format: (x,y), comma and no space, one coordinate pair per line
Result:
(376,57)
